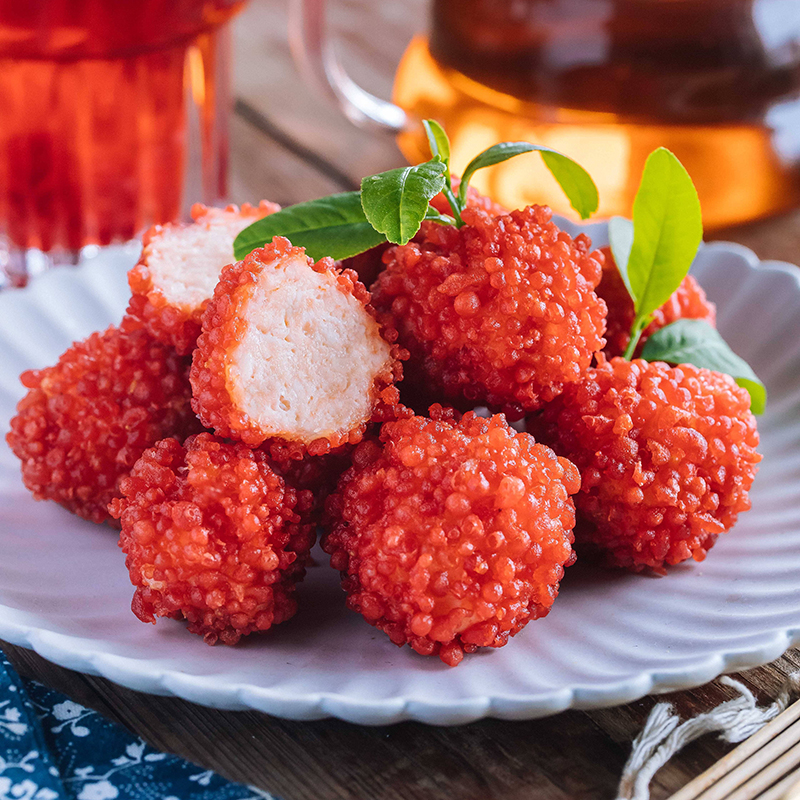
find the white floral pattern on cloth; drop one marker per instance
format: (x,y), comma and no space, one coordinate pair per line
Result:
(52,748)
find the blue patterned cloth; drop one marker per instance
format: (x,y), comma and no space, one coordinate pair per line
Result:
(54,749)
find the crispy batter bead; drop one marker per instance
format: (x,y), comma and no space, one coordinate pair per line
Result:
(666,454)
(501,312)
(224,326)
(85,421)
(687,302)
(452,535)
(211,534)
(149,308)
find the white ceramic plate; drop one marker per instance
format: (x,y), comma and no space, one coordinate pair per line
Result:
(610,638)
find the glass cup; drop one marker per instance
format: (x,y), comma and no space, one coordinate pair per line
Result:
(113,117)
(604,81)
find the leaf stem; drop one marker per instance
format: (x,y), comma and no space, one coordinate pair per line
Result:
(455,206)
(434,216)
(462,190)
(639,324)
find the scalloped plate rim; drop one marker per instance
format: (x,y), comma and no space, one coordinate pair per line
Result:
(390,710)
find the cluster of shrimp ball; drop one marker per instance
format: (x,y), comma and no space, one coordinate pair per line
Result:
(240,408)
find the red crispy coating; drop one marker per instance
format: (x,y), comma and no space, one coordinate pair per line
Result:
(314,478)
(148,308)
(211,534)
(452,535)
(501,312)
(224,326)
(687,302)
(666,454)
(85,421)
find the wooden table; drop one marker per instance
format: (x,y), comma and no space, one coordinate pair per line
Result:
(289,146)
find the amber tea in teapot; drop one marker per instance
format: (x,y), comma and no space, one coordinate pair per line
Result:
(607,81)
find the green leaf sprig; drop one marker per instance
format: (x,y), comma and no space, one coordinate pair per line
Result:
(391,206)
(439,145)
(396,202)
(654,253)
(332,226)
(576,182)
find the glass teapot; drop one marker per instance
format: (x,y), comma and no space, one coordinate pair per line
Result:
(604,81)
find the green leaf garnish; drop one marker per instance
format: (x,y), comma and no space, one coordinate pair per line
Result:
(331,226)
(395,202)
(667,230)
(392,205)
(439,145)
(694,341)
(571,176)
(437,140)
(620,239)
(654,254)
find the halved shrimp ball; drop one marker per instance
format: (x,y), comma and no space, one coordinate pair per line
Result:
(291,353)
(179,268)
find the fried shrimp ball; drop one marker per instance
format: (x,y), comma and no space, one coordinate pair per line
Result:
(666,454)
(451,536)
(85,421)
(211,534)
(290,352)
(688,301)
(501,312)
(179,268)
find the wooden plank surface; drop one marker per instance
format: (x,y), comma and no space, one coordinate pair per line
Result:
(371,35)
(289,146)
(575,755)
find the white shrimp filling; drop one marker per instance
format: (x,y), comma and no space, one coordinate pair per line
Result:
(185,260)
(306,365)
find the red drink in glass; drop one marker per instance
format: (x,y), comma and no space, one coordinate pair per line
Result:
(112,117)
